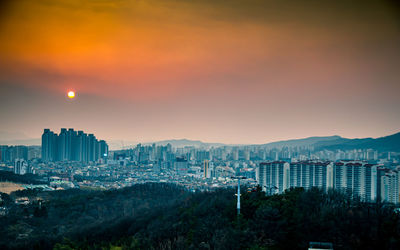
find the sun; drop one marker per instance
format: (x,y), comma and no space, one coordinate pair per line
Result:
(71,94)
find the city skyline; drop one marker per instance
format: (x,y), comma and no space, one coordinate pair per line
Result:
(201,124)
(16,139)
(244,73)
(71,145)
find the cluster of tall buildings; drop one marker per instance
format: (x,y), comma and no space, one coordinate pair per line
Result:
(71,145)
(356,178)
(145,153)
(11,153)
(142,154)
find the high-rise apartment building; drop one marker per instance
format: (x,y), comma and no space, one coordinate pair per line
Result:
(71,145)
(49,141)
(181,165)
(389,185)
(22,167)
(309,174)
(356,178)
(274,177)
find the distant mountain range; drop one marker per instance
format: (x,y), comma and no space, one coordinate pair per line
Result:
(176,143)
(387,143)
(301,142)
(179,143)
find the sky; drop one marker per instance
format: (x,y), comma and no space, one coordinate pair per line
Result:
(251,71)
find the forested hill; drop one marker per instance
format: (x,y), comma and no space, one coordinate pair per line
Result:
(23,179)
(163,216)
(75,213)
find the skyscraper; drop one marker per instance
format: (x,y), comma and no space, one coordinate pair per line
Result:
(71,145)
(49,141)
(103,148)
(62,145)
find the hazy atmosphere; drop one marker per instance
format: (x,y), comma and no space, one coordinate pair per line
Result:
(199,124)
(218,71)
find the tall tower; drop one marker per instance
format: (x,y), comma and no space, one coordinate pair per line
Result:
(238,192)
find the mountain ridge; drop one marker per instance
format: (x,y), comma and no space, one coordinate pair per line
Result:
(334,142)
(385,143)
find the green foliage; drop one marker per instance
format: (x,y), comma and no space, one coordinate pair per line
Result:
(23,179)
(163,216)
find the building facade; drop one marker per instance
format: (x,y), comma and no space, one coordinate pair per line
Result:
(71,145)
(369,182)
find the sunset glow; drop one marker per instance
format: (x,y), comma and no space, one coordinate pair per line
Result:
(189,67)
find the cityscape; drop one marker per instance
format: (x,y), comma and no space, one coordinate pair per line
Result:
(202,124)
(74,159)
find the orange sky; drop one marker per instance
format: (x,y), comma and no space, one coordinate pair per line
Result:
(236,72)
